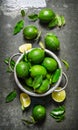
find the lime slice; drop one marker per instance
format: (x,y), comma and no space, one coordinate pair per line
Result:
(25,100)
(25,47)
(59,96)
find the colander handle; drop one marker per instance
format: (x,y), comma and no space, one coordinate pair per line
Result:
(14,55)
(66,83)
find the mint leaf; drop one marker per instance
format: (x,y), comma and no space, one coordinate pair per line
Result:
(53,23)
(33,17)
(56,76)
(18,27)
(23,13)
(11,96)
(61,20)
(37,82)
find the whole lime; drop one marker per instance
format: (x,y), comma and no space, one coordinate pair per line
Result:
(29,81)
(36,55)
(22,69)
(39,112)
(50,64)
(38,70)
(46,15)
(52,42)
(30,32)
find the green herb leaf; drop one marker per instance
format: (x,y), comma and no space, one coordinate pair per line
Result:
(29,121)
(18,27)
(53,23)
(33,17)
(23,13)
(60,118)
(7,61)
(25,57)
(8,70)
(58,111)
(61,20)
(37,82)
(65,63)
(12,63)
(11,96)
(56,76)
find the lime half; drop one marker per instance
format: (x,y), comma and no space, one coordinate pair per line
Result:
(59,96)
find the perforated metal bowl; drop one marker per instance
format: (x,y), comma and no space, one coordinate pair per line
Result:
(53,88)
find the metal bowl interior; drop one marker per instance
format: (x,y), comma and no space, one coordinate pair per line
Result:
(32,93)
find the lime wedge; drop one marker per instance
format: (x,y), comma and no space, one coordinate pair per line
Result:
(25,100)
(25,47)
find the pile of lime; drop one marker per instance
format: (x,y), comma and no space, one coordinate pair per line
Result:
(37,70)
(51,41)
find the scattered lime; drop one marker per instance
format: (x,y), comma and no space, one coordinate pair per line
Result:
(52,42)
(25,100)
(25,47)
(59,96)
(30,32)
(22,69)
(38,70)
(50,64)
(36,55)
(39,112)
(46,15)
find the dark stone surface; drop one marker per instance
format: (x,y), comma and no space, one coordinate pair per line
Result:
(11,113)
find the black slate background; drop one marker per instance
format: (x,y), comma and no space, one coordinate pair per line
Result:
(11,113)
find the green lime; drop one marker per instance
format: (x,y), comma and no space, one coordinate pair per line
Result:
(46,15)
(22,69)
(52,42)
(39,112)
(29,81)
(30,32)
(36,55)
(48,76)
(44,86)
(38,70)
(50,64)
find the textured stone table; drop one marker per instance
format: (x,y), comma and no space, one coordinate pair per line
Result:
(11,113)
